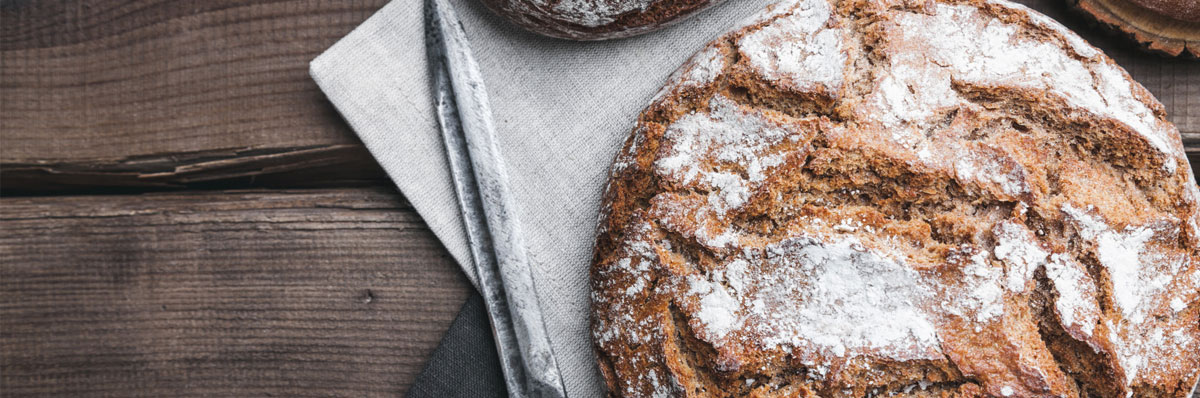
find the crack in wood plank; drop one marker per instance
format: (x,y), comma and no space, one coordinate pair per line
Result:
(153,94)
(343,165)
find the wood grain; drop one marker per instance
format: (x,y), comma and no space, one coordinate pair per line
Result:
(283,293)
(161,93)
(96,94)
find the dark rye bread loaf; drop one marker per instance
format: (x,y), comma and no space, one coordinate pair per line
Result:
(953,198)
(1170,27)
(1184,10)
(595,19)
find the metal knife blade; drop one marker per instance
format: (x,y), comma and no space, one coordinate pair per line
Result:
(489,210)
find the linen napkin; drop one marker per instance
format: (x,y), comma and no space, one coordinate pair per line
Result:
(562,110)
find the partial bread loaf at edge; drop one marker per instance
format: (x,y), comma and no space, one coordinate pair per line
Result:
(913,199)
(595,19)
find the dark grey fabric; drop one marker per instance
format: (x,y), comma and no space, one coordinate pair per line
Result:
(465,363)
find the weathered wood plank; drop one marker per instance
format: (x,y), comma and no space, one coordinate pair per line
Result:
(172,93)
(162,93)
(286,293)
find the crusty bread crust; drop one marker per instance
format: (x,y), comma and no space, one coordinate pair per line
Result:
(1169,27)
(595,19)
(949,198)
(1183,10)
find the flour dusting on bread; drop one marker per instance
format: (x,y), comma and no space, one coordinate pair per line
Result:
(593,13)
(911,199)
(798,48)
(595,19)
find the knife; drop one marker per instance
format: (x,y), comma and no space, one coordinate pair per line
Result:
(489,210)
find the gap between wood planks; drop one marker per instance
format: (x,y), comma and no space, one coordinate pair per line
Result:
(300,167)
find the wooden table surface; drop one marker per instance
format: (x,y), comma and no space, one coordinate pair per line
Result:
(183,212)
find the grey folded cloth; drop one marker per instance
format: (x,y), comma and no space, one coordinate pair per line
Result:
(562,110)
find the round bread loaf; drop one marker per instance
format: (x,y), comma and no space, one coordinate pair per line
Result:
(1170,27)
(595,19)
(949,198)
(1184,10)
